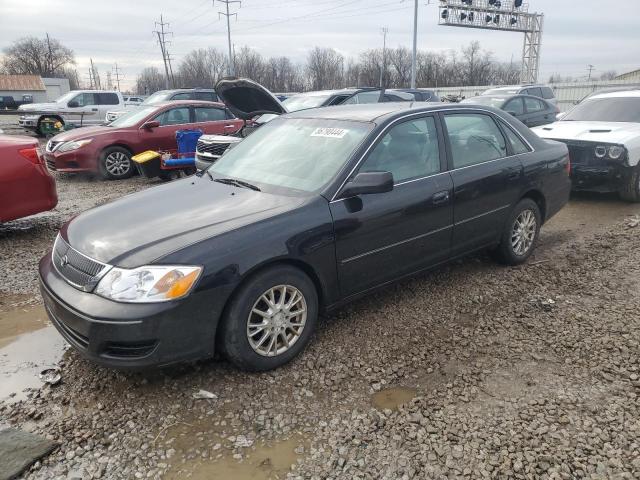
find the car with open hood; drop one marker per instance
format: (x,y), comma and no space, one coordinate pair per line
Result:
(603,136)
(255,104)
(313,210)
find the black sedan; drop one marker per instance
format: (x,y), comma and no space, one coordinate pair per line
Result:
(311,211)
(532,111)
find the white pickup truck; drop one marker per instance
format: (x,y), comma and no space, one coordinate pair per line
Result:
(77,107)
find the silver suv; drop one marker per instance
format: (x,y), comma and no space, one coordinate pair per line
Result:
(540,91)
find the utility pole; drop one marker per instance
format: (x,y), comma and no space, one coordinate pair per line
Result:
(95,75)
(90,79)
(415,45)
(163,46)
(231,69)
(385,30)
(109,84)
(49,65)
(173,79)
(117,74)
(590,68)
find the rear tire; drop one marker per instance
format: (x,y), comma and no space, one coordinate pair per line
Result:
(631,189)
(115,163)
(520,234)
(264,328)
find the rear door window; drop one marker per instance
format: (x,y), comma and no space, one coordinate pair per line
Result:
(516,106)
(534,105)
(108,99)
(516,142)
(547,93)
(474,139)
(208,114)
(183,96)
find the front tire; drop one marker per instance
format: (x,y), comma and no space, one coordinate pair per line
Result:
(270,319)
(631,189)
(115,163)
(520,233)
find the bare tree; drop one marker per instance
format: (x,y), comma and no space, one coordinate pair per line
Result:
(609,75)
(202,68)
(150,80)
(45,57)
(325,69)
(250,64)
(399,67)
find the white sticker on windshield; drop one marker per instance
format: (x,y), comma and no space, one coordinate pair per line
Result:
(329,132)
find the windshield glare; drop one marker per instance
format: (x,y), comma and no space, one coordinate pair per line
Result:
(302,102)
(132,118)
(299,154)
(66,97)
(615,109)
(156,98)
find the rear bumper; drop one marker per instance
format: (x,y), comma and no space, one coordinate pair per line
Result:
(128,336)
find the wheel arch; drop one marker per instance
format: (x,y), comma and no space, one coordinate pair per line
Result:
(117,144)
(538,197)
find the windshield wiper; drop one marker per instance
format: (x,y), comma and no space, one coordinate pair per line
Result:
(237,183)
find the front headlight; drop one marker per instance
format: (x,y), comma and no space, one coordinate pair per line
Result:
(616,152)
(154,283)
(69,146)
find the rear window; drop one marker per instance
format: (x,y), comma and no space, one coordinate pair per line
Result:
(547,93)
(611,109)
(207,96)
(536,92)
(108,99)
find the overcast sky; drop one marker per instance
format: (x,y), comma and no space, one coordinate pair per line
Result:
(576,33)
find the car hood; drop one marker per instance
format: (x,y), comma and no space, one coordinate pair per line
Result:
(247,99)
(143,227)
(39,107)
(603,132)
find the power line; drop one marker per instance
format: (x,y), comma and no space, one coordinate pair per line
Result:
(163,46)
(228,15)
(117,74)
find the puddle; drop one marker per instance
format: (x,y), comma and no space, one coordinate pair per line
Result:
(28,344)
(392,398)
(265,461)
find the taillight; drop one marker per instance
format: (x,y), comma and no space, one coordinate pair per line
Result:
(33,154)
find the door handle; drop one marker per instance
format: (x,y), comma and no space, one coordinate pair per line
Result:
(514,175)
(229,126)
(440,198)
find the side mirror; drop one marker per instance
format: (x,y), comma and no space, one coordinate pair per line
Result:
(150,125)
(73,104)
(368,182)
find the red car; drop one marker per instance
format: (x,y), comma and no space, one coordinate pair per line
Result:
(108,149)
(26,186)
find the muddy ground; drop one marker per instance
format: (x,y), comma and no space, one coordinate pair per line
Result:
(472,371)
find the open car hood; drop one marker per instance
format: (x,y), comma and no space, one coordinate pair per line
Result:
(247,99)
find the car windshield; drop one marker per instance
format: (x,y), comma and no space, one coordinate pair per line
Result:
(157,98)
(505,91)
(613,109)
(66,97)
(293,153)
(302,102)
(132,118)
(488,101)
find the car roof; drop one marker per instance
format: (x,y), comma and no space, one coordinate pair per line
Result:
(188,103)
(618,94)
(377,112)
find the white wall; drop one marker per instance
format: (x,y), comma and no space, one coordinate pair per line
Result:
(56,87)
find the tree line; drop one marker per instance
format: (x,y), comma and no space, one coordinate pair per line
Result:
(325,68)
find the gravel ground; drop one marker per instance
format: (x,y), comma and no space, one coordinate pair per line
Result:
(472,371)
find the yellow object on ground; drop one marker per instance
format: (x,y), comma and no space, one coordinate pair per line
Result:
(145,156)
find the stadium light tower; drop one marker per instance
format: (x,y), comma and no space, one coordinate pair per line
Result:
(504,15)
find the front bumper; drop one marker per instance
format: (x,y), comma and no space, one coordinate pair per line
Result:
(606,177)
(74,161)
(128,336)
(28,121)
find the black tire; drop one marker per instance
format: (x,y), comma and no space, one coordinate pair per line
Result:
(115,154)
(506,252)
(630,191)
(168,176)
(233,337)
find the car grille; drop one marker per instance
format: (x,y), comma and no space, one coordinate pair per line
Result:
(51,164)
(77,269)
(581,153)
(213,149)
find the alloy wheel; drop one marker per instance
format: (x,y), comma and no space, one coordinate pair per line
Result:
(276,320)
(523,233)
(117,163)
